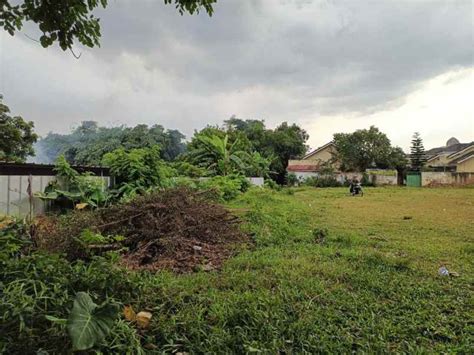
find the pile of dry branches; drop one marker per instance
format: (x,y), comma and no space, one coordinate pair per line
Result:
(177,229)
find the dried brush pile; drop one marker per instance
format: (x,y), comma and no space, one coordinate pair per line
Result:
(177,229)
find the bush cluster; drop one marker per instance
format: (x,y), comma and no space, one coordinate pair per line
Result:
(322,181)
(37,288)
(226,187)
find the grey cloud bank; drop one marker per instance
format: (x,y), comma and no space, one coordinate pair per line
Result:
(273,60)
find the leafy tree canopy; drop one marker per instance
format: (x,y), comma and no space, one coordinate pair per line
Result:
(217,154)
(67,21)
(367,148)
(264,151)
(88,143)
(16,136)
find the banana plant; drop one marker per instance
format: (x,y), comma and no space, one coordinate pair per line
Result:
(219,156)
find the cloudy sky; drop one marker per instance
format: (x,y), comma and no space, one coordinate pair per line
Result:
(330,66)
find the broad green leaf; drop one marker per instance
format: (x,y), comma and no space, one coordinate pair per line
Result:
(89,323)
(47,196)
(56,320)
(69,194)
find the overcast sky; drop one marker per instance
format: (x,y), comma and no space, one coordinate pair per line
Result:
(330,66)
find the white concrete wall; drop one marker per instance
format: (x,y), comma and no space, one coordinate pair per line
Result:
(301,175)
(380,179)
(390,178)
(256,181)
(432,178)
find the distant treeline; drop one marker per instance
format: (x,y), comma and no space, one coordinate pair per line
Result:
(88,143)
(259,147)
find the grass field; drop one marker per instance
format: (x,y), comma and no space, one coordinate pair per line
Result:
(330,273)
(326,273)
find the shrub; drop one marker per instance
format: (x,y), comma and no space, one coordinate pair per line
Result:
(322,181)
(73,188)
(138,170)
(183,181)
(227,187)
(366,181)
(271,184)
(187,169)
(292,179)
(37,291)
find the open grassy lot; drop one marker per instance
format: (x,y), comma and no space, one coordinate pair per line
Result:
(330,273)
(326,273)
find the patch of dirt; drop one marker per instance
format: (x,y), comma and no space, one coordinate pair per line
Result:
(179,229)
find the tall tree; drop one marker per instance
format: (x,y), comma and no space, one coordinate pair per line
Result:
(285,142)
(417,152)
(88,143)
(67,21)
(16,136)
(274,147)
(366,148)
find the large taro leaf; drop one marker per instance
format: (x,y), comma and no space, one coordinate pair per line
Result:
(89,323)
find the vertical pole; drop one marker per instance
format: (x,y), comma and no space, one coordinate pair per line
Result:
(19,197)
(8,194)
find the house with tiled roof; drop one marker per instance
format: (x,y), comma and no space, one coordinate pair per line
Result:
(453,157)
(312,163)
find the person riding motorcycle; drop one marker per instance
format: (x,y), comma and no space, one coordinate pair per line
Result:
(355,188)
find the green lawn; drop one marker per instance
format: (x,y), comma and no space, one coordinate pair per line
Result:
(327,273)
(370,285)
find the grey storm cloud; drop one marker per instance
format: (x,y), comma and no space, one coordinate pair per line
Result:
(325,49)
(271,59)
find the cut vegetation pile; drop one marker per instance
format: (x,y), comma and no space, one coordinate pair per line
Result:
(180,229)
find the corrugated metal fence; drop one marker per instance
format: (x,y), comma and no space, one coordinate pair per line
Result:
(19,182)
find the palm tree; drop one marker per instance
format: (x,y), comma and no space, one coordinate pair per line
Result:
(258,165)
(218,155)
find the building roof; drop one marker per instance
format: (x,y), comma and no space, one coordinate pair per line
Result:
(459,158)
(451,149)
(317,150)
(469,148)
(303,168)
(465,158)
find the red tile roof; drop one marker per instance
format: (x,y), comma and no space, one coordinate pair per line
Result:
(301,168)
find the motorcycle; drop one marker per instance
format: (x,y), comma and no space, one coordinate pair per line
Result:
(356,189)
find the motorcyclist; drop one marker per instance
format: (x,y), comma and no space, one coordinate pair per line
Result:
(355,187)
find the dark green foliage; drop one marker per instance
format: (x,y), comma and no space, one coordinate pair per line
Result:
(321,181)
(67,21)
(417,153)
(286,142)
(88,323)
(138,170)
(16,136)
(14,238)
(88,143)
(75,188)
(271,184)
(292,179)
(263,152)
(365,181)
(37,292)
(365,149)
(257,165)
(218,155)
(226,187)
(184,168)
